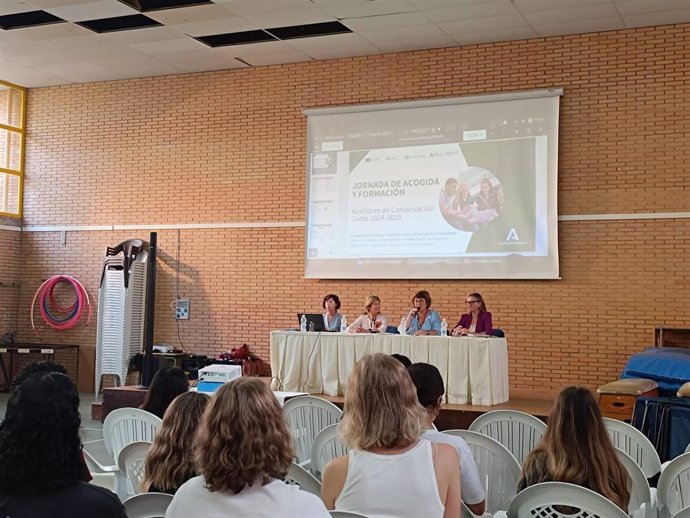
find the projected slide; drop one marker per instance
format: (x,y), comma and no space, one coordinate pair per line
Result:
(447,197)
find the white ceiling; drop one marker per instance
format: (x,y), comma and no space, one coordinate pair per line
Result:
(67,53)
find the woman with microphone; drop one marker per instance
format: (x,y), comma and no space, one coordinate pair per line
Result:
(422,320)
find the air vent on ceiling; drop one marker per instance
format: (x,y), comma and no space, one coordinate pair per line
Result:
(119,23)
(236,38)
(308,31)
(157,5)
(27,19)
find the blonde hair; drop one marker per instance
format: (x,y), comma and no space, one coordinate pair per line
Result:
(243,438)
(170,461)
(576,448)
(381,406)
(369,302)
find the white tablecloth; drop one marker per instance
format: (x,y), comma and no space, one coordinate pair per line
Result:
(475,370)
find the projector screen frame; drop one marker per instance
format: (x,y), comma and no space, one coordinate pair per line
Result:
(551,186)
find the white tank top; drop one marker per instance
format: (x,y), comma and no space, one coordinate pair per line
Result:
(392,486)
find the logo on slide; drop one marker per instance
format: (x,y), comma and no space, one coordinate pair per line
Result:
(512,235)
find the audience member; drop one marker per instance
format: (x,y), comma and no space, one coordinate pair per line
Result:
(577,449)
(170,461)
(44,367)
(167,384)
(331,318)
(243,452)
(389,471)
(422,320)
(477,320)
(37,367)
(430,392)
(402,359)
(371,321)
(40,468)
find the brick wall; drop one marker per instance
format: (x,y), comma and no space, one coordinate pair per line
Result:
(9,274)
(229,147)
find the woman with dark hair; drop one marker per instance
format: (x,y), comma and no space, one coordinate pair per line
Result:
(422,320)
(389,472)
(243,452)
(170,461)
(166,385)
(40,470)
(44,367)
(331,318)
(576,448)
(477,321)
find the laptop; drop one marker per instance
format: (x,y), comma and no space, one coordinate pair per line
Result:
(313,318)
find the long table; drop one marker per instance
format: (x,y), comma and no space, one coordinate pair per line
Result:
(475,369)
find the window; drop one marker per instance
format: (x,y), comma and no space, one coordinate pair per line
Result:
(12,132)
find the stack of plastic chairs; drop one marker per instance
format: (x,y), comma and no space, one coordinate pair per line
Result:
(121,310)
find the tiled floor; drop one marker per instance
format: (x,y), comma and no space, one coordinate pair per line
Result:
(91,429)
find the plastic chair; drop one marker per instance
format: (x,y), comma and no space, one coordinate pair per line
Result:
(392,330)
(305,480)
(120,428)
(642,502)
(306,416)
(326,447)
(497,468)
(540,499)
(673,488)
(345,514)
(498,333)
(131,461)
(147,505)
(517,431)
(633,442)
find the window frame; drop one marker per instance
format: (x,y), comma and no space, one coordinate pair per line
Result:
(19,131)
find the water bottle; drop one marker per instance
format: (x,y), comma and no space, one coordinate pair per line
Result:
(343,324)
(303,323)
(444,328)
(401,327)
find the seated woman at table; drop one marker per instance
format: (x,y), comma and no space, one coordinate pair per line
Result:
(477,320)
(390,471)
(331,318)
(422,320)
(371,321)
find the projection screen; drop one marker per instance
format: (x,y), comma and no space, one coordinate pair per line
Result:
(460,188)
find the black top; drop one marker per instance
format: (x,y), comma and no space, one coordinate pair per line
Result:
(78,500)
(154,489)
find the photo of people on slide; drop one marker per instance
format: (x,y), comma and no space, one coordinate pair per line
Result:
(495,197)
(471,201)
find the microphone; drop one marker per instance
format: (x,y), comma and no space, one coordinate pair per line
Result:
(416,309)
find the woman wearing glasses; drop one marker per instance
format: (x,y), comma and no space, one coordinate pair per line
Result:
(477,320)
